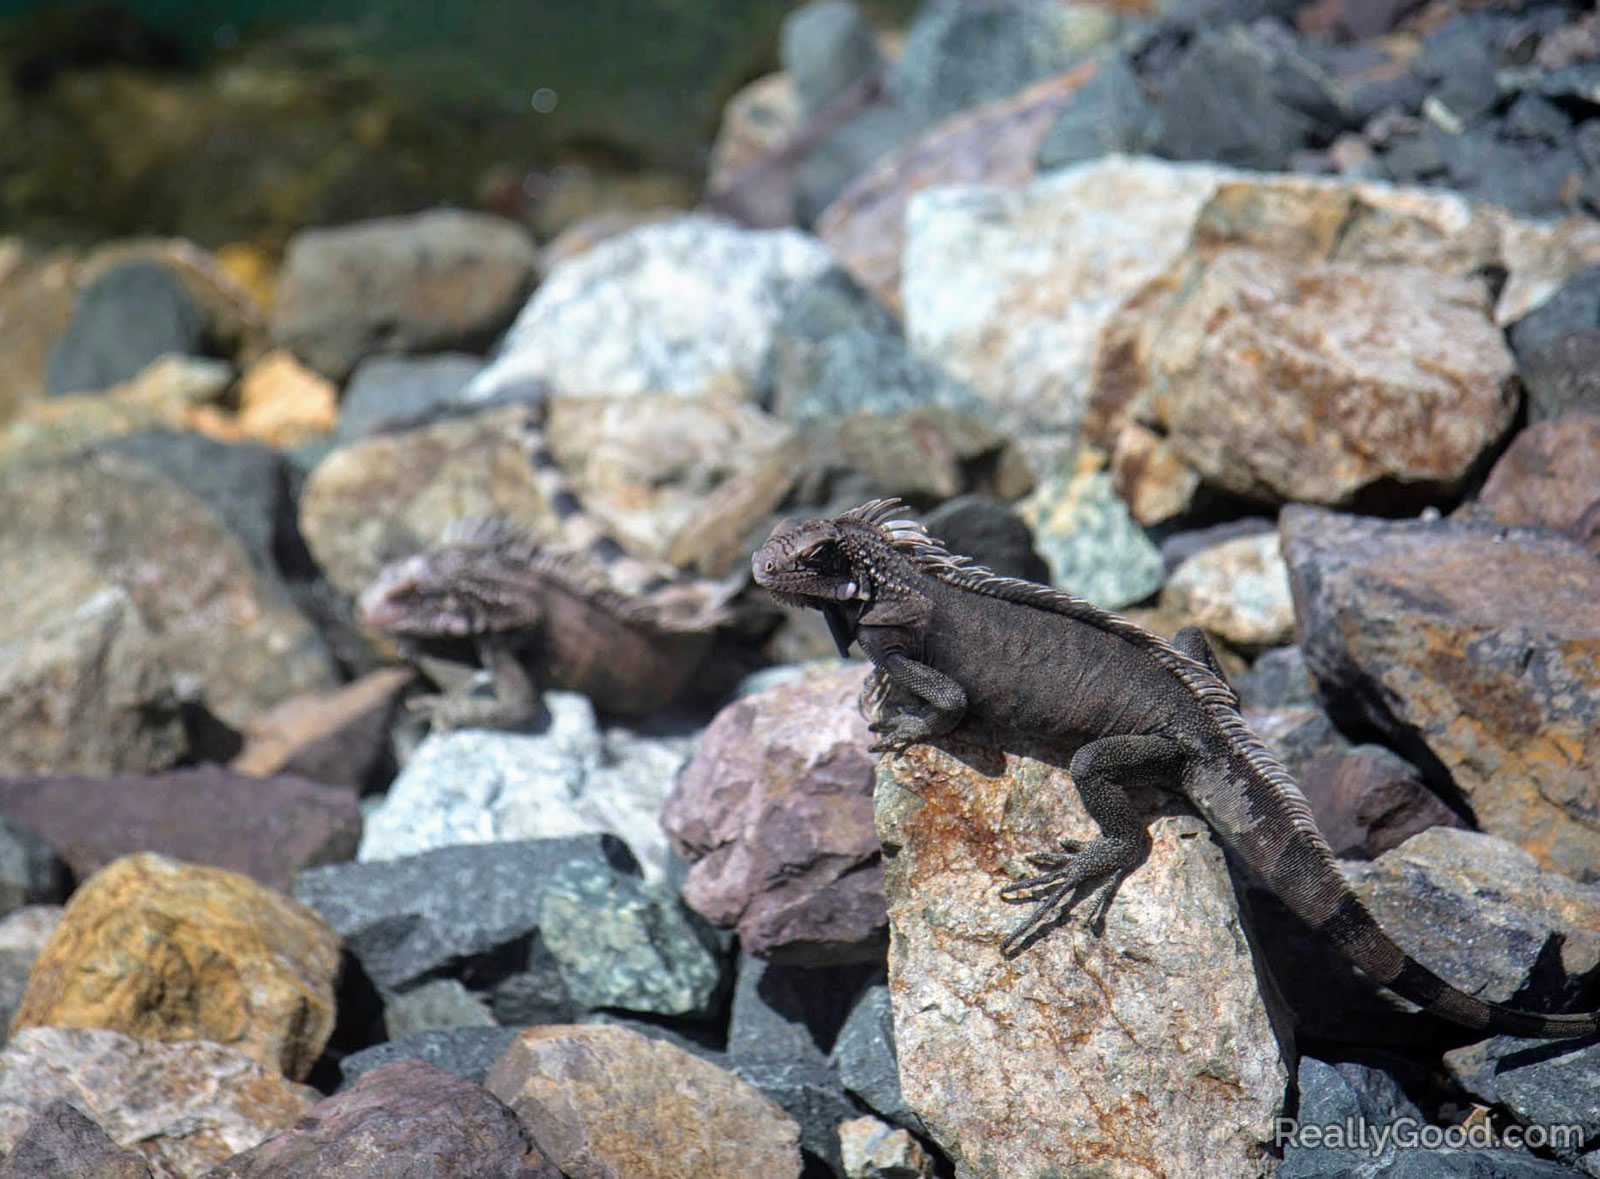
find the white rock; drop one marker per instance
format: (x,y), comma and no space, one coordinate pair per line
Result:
(672,307)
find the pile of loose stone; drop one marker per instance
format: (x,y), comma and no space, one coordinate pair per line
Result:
(1351,429)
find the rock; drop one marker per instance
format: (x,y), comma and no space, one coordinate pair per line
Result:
(451,910)
(1528,178)
(61,1141)
(436,1005)
(374,500)
(84,685)
(792,1012)
(338,738)
(682,306)
(1549,477)
(679,479)
(1367,800)
(408,1110)
(1338,1095)
(23,934)
(837,351)
(870,1149)
(30,871)
(185,1107)
(1292,104)
(387,392)
(1094,549)
(170,951)
(123,320)
(1277,679)
(1555,344)
(245,483)
(607,1101)
(757,122)
(468,1053)
(428,282)
(975,1031)
(474,786)
(1298,737)
(1151,477)
(996,144)
(621,943)
(990,533)
(283,403)
(810,1093)
(847,151)
(1551,1090)
(266,828)
(1485,916)
(1258,354)
(174,392)
(826,48)
(1237,590)
(864,1053)
(1494,680)
(774,815)
(1008,290)
(1458,63)
(1109,114)
(959,55)
(214,617)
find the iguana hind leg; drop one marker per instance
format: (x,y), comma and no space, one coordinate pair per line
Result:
(1102,771)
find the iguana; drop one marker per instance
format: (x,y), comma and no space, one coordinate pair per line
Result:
(949,639)
(581,614)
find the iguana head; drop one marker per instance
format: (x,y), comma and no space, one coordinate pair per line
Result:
(454,590)
(807,563)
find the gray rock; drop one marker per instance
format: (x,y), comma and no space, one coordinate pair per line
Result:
(810,1093)
(619,942)
(677,306)
(387,391)
(1533,117)
(449,910)
(1298,735)
(468,1053)
(826,47)
(61,1142)
(245,483)
(536,993)
(1458,63)
(847,152)
(960,54)
(1178,547)
(793,1012)
(1524,176)
(1339,1095)
(837,351)
(424,283)
(1557,346)
(1574,308)
(1109,113)
(476,786)
(30,871)
(1278,679)
(23,934)
(122,321)
(408,1116)
(1552,1085)
(864,1054)
(1579,82)
(989,532)
(1083,530)
(435,1005)
(1242,99)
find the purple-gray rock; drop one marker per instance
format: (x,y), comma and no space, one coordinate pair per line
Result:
(62,1142)
(266,828)
(1369,799)
(1548,477)
(404,1118)
(467,1053)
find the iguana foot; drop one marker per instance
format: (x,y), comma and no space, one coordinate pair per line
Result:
(1055,889)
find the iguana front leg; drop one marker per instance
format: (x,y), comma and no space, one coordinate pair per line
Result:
(922,703)
(514,704)
(1102,771)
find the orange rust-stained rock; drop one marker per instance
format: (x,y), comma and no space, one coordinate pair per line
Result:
(1125,1051)
(163,950)
(604,1102)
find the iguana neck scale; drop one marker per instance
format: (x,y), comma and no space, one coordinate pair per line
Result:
(949,639)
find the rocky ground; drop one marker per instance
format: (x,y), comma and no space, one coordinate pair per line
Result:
(1280,320)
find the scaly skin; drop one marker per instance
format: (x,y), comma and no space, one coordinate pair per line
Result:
(948,640)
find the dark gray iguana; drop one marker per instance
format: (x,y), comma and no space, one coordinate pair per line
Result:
(582,615)
(948,639)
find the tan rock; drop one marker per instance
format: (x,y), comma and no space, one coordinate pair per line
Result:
(388,496)
(1150,477)
(1238,590)
(757,121)
(231,630)
(604,1102)
(163,950)
(331,737)
(1134,1052)
(283,403)
(185,1107)
(873,1149)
